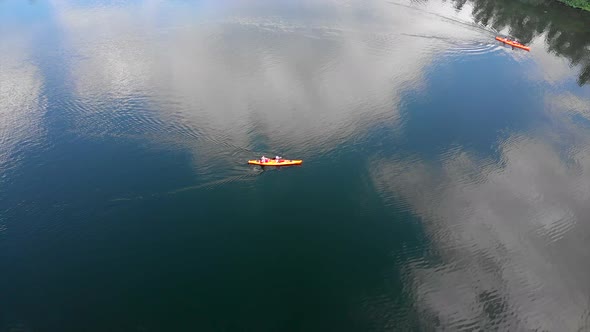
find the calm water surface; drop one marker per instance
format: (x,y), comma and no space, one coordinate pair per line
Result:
(446,182)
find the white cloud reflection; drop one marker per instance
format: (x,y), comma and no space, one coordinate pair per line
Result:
(301,82)
(555,69)
(511,236)
(21,105)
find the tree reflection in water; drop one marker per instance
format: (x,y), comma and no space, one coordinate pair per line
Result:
(566,29)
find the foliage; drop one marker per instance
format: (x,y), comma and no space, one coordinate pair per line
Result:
(584,4)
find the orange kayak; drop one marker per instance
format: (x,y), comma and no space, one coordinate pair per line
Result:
(513,43)
(273,162)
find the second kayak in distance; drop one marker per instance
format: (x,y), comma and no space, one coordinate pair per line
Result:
(513,43)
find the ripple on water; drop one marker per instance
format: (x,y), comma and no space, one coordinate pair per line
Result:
(472,49)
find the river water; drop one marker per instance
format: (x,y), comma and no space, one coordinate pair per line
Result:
(445,183)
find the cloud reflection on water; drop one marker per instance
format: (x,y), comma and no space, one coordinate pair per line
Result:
(510,236)
(228,78)
(21,104)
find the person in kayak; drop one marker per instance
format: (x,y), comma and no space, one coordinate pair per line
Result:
(514,40)
(277,159)
(264,159)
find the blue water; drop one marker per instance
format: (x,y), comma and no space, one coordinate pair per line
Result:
(444,184)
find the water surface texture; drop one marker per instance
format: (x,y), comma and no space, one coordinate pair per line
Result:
(445,184)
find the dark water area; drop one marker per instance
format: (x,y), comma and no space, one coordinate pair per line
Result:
(445,183)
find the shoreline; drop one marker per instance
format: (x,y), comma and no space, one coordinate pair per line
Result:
(580,4)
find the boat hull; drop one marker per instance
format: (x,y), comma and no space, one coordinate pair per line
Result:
(272,162)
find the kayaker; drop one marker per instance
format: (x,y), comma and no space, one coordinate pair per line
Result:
(514,40)
(277,158)
(263,159)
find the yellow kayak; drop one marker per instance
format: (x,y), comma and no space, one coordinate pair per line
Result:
(274,162)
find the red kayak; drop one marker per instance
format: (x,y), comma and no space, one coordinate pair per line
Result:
(513,43)
(274,162)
